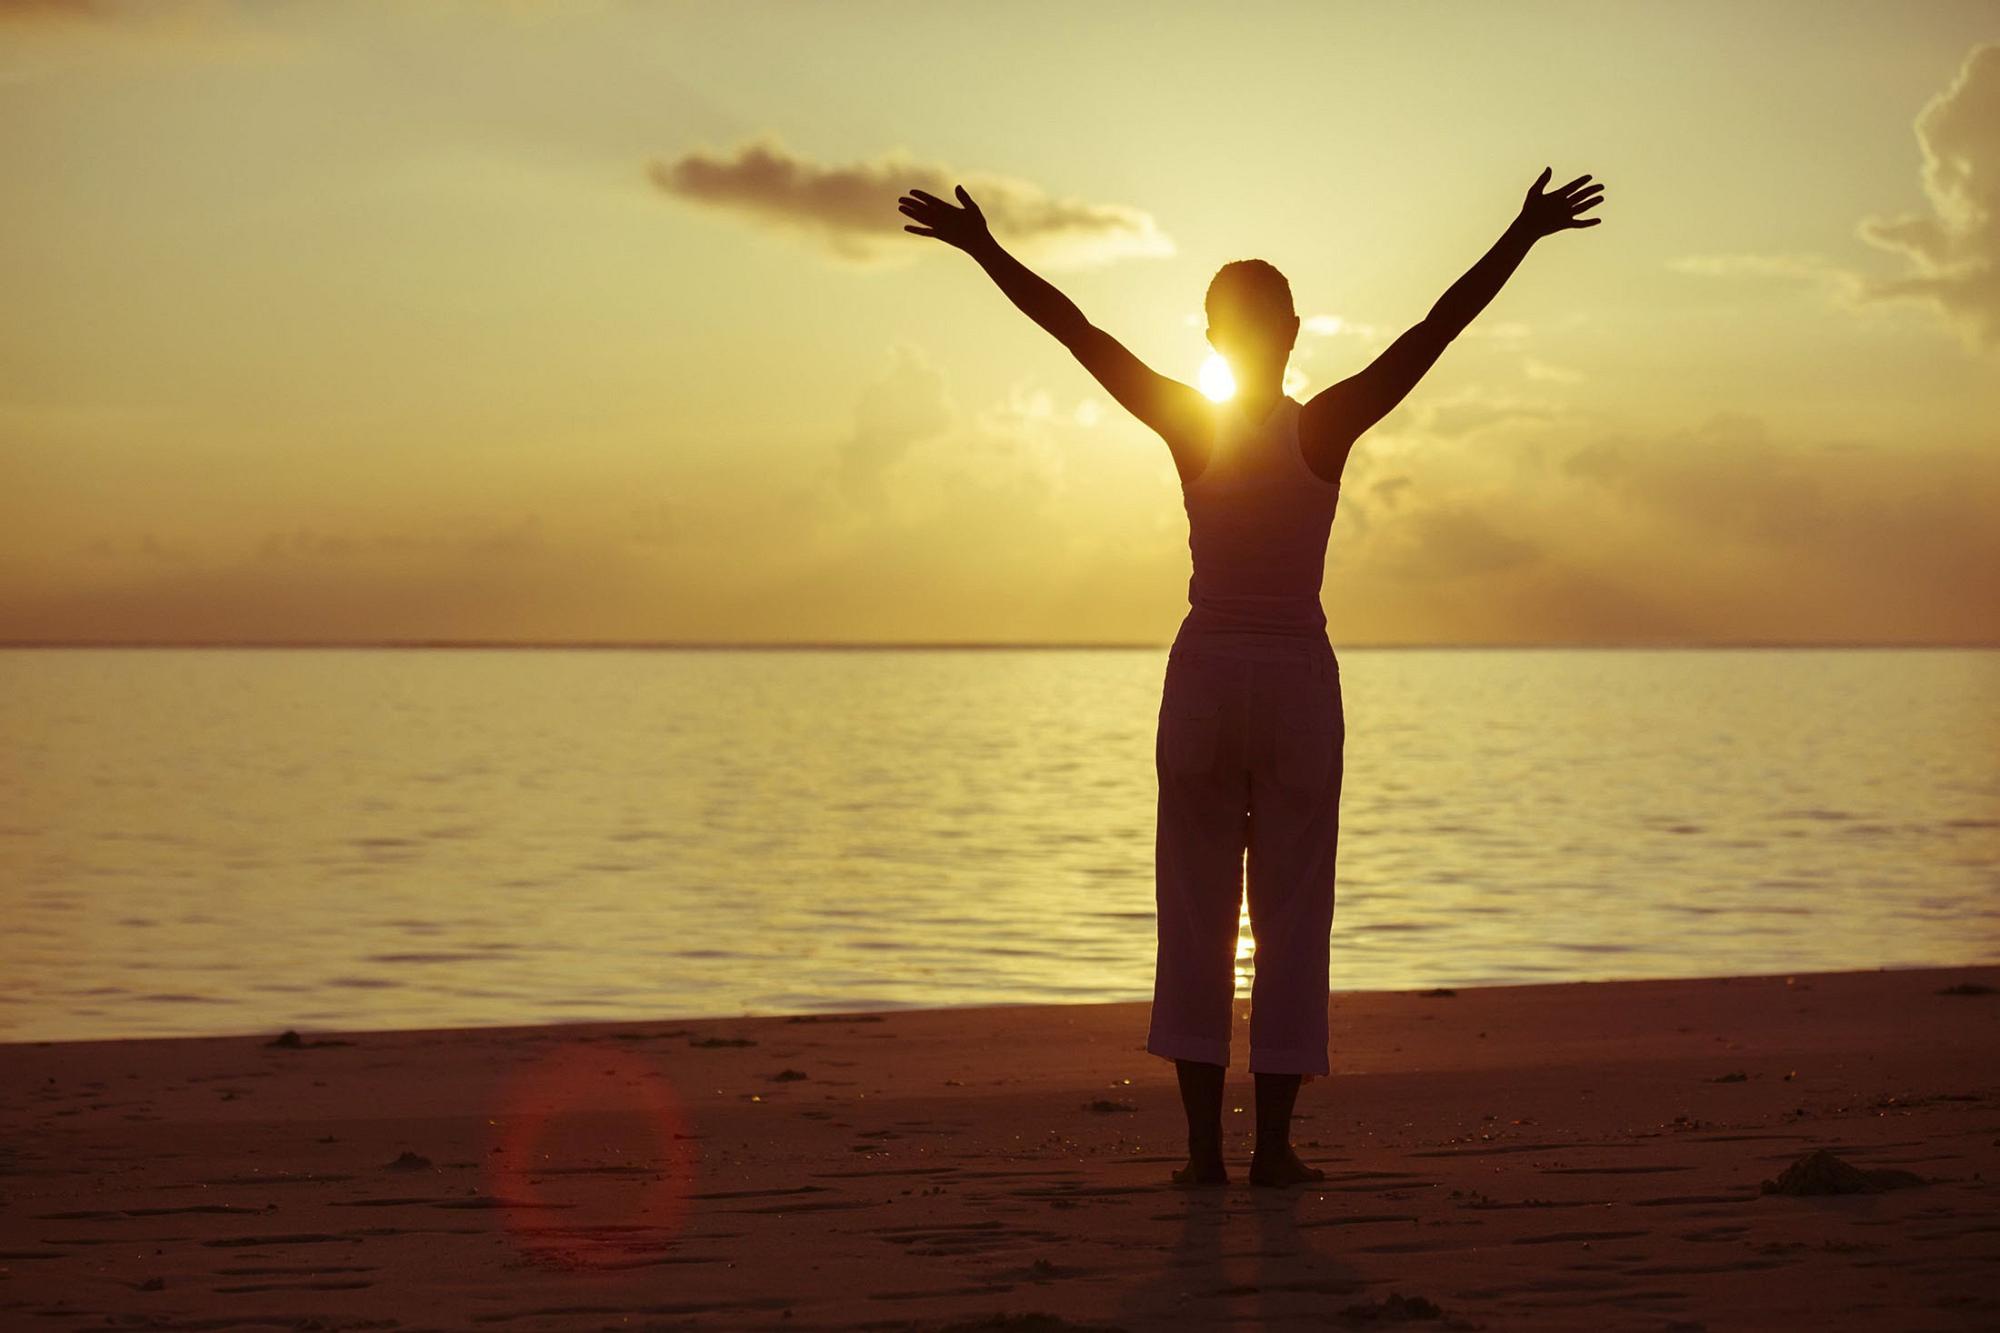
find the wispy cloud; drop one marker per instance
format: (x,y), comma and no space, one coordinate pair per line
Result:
(1954,252)
(47,37)
(51,11)
(1335,326)
(1541,370)
(1841,284)
(907,404)
(1474,410)
(851,210)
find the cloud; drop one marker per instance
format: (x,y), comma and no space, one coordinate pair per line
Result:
(147,546)
(51,11)
(526,12)
(1954,251)
(1853,510)
(1763,266)
(1571,530)
(851,210)
(1388,489)
(908,403)
(1450,541)
(1542,370)
(657,523)
(930,516)
(1503,330)
(1329,326)
(522,537)
(51,35)
(1473,410)
(181,19)
(1842,286)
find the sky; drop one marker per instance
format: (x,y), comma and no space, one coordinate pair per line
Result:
(539,322)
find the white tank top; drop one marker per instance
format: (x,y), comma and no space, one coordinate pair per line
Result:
(1258,522)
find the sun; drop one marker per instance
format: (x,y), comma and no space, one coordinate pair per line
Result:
(1217,383)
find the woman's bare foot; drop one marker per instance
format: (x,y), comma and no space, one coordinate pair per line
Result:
(1202,1171)
(1281,1167)
(1201,1096)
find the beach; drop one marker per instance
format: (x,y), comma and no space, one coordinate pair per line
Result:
(1585,1155)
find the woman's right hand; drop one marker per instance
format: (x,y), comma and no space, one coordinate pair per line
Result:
(962,228)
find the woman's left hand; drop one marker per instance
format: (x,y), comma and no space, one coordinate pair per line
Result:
(1546,214)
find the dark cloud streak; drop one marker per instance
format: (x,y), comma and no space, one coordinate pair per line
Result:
(851,210)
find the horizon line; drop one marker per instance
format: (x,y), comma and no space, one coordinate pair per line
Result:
(890,645)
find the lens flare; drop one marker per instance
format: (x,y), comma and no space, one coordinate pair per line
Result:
(590,1159)
(1217,383)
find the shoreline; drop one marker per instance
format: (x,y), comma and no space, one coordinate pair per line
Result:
(809,1015)
(1584,1155)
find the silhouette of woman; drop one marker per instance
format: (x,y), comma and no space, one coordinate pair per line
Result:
(1249,748)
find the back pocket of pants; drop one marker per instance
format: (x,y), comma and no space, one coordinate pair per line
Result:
(1190,717)
(1190,735)
(1309,754)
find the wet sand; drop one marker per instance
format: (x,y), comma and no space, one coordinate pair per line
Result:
(1573,1156)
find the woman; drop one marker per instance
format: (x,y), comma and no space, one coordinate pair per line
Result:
(1251,729)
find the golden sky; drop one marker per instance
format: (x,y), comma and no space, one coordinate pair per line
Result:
(536,321)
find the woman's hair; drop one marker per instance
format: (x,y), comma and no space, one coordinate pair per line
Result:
(1248,291)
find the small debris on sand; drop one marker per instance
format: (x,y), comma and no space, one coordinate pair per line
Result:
(291,1041)
(1034,1322)
(1105,1107)
(1736,1076)
(1439,991)
(720,1041)
(1967,988)
(409,1161)
(1393,1309)
(788,1076)
(648,1036)
(1820,1172)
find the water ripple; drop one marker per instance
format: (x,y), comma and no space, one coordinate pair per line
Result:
(696,833)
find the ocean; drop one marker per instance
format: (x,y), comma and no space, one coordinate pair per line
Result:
(212,841)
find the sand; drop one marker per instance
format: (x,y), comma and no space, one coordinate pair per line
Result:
(1574,1156)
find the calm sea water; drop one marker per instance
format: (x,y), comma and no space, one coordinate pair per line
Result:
(232,841)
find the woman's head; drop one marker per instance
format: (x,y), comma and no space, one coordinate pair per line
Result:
(1251,319)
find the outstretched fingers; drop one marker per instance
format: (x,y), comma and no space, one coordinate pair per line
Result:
(939,218)
(1577,209)
(1553,210)
(918,212)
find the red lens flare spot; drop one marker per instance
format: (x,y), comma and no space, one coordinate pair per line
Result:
(590,1159)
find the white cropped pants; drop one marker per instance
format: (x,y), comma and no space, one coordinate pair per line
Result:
(1250,755)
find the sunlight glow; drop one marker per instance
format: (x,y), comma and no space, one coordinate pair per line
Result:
(1216,381)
